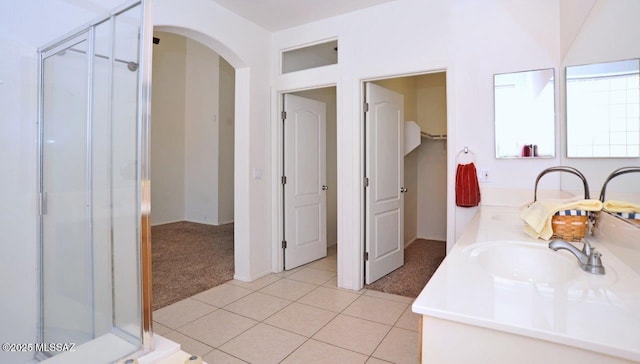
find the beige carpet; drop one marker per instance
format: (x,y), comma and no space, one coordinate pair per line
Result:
(421,259)
(189,258)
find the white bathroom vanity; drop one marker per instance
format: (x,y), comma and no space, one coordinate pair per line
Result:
(503,297)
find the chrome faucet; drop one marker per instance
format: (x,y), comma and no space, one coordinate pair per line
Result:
(588,258)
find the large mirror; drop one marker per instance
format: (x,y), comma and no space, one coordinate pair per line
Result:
(524,111)
(603,110)
(616,197)
(598,32)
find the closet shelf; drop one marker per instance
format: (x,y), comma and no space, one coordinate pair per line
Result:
(433,136)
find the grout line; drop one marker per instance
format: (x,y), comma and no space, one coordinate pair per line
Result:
(245,284)
(294,350)
(403,312)
(335,346)
(381,341)
(312,336)
(219,308)
(240,333)
(293,280)
(192,338)
(231,355)
(196,319)
(383,294)
(254,319)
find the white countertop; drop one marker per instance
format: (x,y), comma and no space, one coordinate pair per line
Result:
(597,313)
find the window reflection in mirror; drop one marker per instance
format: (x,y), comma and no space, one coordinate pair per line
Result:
(603,110)
(525,114)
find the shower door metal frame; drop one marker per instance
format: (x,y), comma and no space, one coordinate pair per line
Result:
(142,150)
(85,35)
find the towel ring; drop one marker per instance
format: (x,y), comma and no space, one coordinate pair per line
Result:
(466,151)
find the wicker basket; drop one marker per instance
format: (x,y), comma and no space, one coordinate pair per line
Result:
(570,225)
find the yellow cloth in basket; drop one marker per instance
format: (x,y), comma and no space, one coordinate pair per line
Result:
(539,214)
(620,206)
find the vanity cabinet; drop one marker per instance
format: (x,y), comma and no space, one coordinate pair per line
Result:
(445,341)
(503,297)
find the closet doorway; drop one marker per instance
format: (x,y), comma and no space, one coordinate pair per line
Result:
(192,168)
(419,129)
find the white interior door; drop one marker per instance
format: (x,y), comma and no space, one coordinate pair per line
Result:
(385,172)
(305,202)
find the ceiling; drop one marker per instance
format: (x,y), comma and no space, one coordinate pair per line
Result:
(275,15)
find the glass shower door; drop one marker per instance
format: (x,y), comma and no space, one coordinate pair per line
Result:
(93,279)
(66,229)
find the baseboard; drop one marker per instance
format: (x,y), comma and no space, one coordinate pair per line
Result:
(433,238)
(422,237)
(250,279)
(164,222)
(201,222)
(332,244)
(207,222)
(410,242)
(194,221)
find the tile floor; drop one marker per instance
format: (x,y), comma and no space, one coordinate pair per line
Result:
(299,316)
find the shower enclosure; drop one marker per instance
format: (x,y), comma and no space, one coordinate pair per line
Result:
(94,249)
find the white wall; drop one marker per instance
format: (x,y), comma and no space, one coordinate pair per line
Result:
(168,129)
(432,108)
(413,185)
(226,123)
(432,157)
(246,47)
(472,40)
(38,22)
(506,37)
(192,133)
(432,189)
(201,134)
(18,208)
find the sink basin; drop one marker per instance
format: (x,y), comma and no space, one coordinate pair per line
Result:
(522,261)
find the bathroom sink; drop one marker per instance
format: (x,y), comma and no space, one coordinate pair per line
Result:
(522,261)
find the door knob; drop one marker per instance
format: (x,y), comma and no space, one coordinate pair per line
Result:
(403,190)
(325,187)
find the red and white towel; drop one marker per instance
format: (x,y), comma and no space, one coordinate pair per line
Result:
(467,187)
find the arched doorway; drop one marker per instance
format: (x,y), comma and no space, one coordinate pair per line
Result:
(192,168)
